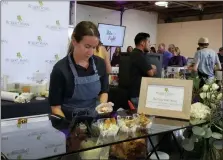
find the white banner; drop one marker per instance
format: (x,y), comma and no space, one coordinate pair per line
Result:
(33,37)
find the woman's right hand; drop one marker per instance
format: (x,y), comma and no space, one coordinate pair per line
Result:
(57,110)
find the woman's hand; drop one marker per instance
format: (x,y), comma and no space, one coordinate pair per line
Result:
(57,110)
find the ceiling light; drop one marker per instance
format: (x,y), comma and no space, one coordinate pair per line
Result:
(162,4)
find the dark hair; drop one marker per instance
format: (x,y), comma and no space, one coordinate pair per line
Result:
(153,49)
(141,37)
(129,48)
(84,28)
(198,48)
(116,50)
(203,45)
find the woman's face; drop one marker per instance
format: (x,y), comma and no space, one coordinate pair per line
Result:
(130,49)
(171,49)
(117,49)
(86,46)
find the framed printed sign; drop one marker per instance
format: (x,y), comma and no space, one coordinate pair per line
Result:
(166,97)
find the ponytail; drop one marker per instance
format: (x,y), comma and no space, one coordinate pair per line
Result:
(70,49)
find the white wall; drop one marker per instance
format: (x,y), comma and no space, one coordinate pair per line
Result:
(135,21)
(139,21)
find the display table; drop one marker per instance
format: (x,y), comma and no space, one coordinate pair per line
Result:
(41,129)
(12,110)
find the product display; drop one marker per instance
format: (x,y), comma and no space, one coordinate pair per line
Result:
(9,96)
(108,126)
(24,98)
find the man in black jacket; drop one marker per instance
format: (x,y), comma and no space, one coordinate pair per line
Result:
(139,66)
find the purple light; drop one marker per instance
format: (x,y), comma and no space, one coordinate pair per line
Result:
(120,2)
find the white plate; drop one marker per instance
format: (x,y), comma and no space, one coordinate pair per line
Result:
(109,107)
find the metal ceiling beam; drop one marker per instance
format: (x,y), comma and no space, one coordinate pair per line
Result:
(197,13)
(184,8)
(95,4)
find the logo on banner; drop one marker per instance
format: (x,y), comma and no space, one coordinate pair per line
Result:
(54,60)
(4,41)
(3,2)
(17,60)
(38,43)
(39,7)
(19,23)
(56,27)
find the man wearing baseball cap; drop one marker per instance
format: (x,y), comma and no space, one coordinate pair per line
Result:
(205,61)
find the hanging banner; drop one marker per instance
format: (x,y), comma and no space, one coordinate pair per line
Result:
(33,37)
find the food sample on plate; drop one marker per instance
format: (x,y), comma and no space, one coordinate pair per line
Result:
(127,123)
(142,120)
(105,108)
(108,126)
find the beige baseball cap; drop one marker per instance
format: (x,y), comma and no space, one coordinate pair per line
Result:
(203,40)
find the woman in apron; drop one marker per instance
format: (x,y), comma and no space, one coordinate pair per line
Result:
(80,79)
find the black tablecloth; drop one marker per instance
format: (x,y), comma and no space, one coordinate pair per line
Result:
(11,110)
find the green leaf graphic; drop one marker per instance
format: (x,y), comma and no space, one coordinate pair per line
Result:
(56,57)
(19,18)
(18,55)
(166,89)
(39,38)
(58,22)
(40,3)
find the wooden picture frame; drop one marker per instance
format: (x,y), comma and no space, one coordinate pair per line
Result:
(166,97)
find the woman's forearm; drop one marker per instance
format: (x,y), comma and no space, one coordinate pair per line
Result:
(57,110)
(103,98)
(108,66)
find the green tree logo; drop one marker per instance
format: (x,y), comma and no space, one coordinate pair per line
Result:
(58,22)
(166,90)
(19,18)
(19,55)
(40,3)
(56,57)
(39,38)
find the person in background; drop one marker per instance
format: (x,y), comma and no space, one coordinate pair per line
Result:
(205,61)
(129,49)
(116,57)
(152,50)
(101,51)
(171,48)
(166,55)
(220,55)
(177,59)
(80,78)
(139,67)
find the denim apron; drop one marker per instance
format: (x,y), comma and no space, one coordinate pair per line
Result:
(85,94)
